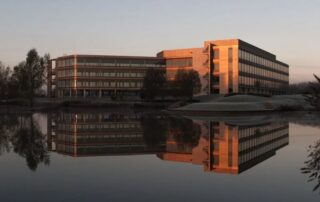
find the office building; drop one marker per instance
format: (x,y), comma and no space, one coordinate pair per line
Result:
(224,66)
(92,76)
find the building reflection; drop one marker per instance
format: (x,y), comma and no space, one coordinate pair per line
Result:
(88,134)
(218,146)
(227,148)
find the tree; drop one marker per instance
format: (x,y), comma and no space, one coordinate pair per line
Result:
(187,83)
(20,79)
(5,74)
(30,75)
(314,97)
(154,83)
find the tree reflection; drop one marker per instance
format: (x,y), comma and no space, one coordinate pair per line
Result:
(154,130)
(7,125)
(4,140)
(312,165)
(185,131)
(29,142)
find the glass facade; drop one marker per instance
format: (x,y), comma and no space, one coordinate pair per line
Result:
(228,148)
(91,134)
(238,67)
(259,74)
(100,76)
(225,66)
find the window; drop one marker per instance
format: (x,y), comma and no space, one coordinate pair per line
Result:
(181,62)
(216,54)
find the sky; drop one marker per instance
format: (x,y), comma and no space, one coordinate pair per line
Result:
(288,28)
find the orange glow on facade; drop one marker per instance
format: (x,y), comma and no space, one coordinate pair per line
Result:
(75,72)
(224,66)
(229,149)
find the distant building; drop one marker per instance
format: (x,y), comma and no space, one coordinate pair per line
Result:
(224,66)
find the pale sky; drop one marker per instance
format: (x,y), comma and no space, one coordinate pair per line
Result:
(288,28)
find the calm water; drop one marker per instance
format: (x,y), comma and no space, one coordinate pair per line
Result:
(138,156)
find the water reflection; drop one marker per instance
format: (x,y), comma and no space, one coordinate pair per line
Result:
(21,134)
(93,134)
(219,146)
(312,164)
(227,148)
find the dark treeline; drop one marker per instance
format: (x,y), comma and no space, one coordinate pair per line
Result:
(299,88)
(156,85)
(25,79)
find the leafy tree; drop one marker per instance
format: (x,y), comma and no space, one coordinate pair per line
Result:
(187,83)
(20,79)
(30,75)
(154,83)
(314,97)
(5,73)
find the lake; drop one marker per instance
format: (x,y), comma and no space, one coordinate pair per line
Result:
(121,155)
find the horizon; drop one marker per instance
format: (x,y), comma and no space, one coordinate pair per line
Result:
(145,28)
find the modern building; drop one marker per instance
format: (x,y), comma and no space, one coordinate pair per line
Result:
(230,66)
(224,66)
(99,76)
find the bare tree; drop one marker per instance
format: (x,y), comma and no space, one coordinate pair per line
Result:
(314,97)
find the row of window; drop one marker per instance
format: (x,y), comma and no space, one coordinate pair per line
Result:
(65,62)
(262,61)
(97,117)
(262,72)
(111,136)
(65,83)
(65,73)
(110,74)
(120,65)
(114,84)
(246,132)
(260,140)
(125,84)
(109,62)
(256,153)
(89,138)
(70,73)
(259,83)
(107,126)
(180,62)
(84,127)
